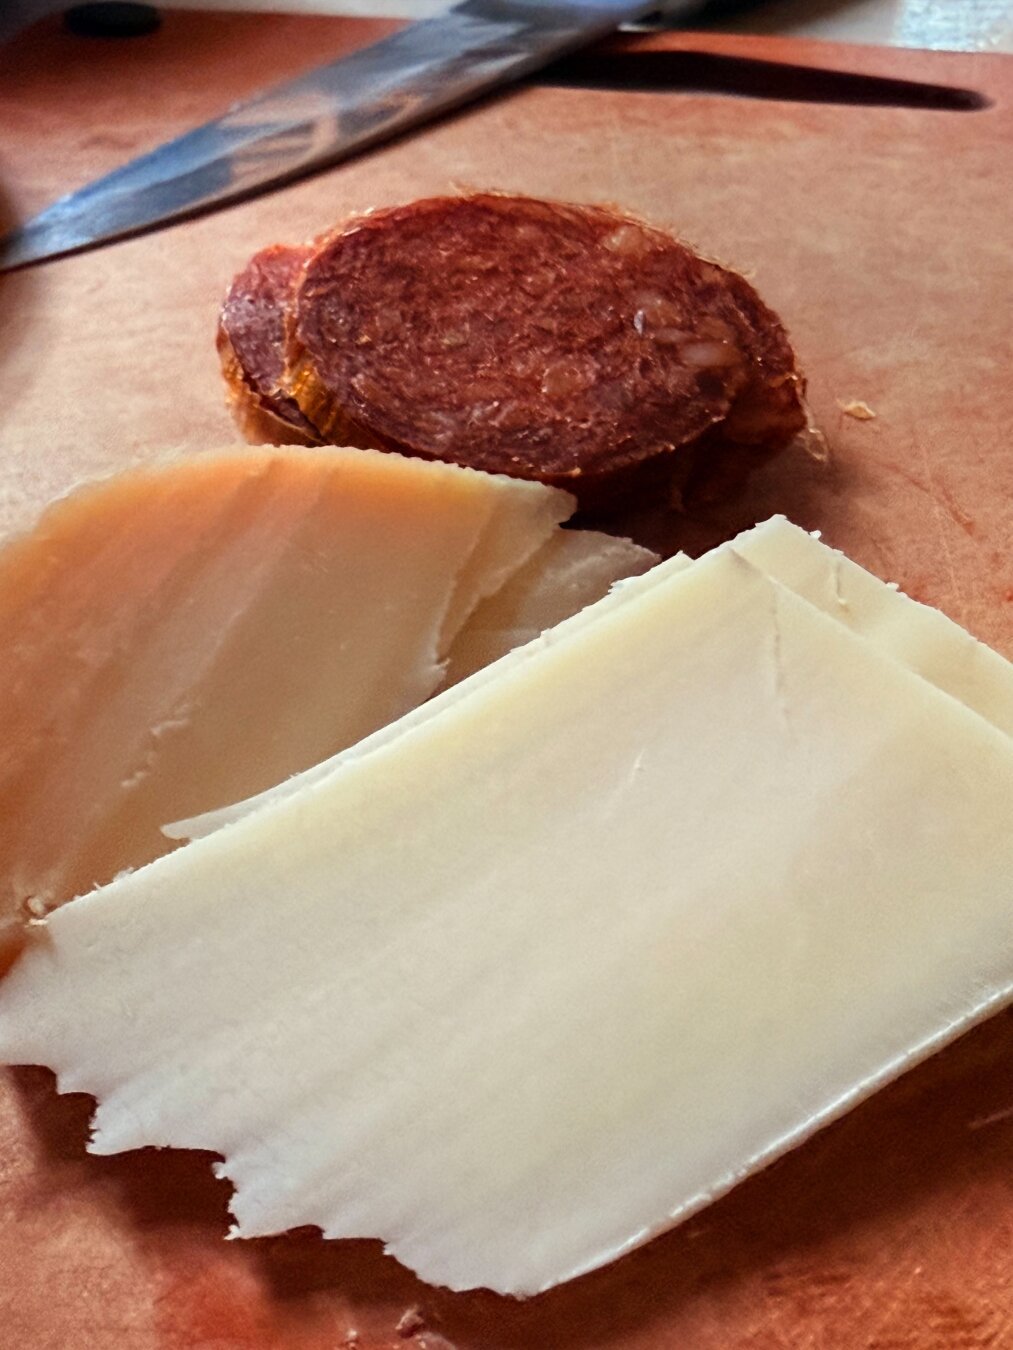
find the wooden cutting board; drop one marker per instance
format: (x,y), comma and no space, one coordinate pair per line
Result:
(881,235)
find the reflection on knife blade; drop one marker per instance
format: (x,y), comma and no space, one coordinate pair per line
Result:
(407,79)
(320,118)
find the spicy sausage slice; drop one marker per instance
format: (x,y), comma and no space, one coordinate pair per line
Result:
(563,343)
(251,341)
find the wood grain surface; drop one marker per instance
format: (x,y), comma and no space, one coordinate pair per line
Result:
(882,237)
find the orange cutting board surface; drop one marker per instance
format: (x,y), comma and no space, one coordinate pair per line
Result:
(882,237)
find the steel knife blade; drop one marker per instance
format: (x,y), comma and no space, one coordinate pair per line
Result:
(317,119)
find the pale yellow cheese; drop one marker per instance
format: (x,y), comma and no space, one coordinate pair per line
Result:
(176,637)
(921,638)
(541,969)
(573,568)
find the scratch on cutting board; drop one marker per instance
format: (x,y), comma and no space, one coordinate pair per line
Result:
(942,495)
(959,515)
(944,543)
(995,1118)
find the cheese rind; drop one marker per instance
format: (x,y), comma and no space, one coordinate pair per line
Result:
(542,969)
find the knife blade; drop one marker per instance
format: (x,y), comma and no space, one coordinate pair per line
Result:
(318,119)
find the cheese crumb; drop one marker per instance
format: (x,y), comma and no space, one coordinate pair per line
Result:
(411,1323)
(856,408)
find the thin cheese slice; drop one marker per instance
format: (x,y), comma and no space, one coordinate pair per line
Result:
(921,638)
(572,569)
(176,637)
(544,968)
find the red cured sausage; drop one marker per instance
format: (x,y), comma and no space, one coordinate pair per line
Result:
(567,344)
(251,343)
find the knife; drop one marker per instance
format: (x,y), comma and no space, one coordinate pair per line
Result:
(321,118)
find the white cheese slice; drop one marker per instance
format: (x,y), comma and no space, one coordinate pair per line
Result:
(175,637)
(544,968)
(921,638)
(572,569)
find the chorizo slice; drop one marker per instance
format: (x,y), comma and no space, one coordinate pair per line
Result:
(567,344)
(251,341)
